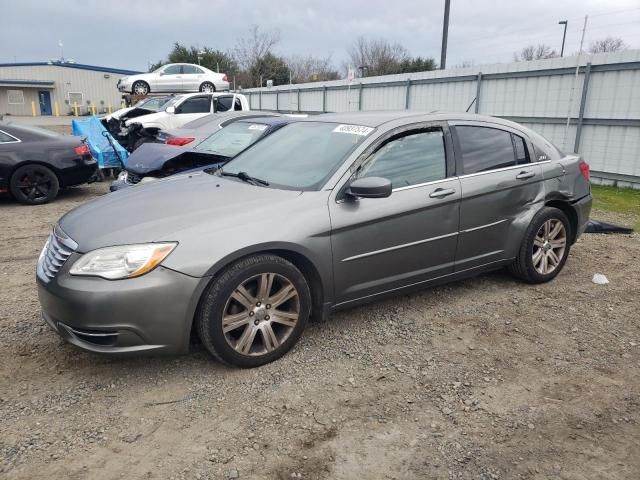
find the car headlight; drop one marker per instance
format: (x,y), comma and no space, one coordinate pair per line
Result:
(122,176)
(125,261)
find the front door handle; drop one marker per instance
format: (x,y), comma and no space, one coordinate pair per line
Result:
(442,192)
(524,175)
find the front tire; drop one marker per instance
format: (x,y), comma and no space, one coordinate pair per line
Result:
(34,184)
(207,87)
(545,247)
(255,311)
(140,88)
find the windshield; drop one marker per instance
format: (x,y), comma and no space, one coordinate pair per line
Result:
(154,103)
(299,156)
(173,100)
(232,139)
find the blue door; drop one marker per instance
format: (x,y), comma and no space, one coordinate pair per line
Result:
(44,97)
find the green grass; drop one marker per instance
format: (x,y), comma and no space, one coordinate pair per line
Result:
(625,201)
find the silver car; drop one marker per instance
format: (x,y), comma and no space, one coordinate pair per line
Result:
(175,77)
(326,213)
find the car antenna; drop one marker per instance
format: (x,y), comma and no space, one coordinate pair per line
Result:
(472,102)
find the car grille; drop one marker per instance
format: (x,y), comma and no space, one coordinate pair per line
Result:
(55,252)
(133,178)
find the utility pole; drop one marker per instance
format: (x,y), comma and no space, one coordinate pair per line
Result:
(564,35)
(573,86)
(445,35)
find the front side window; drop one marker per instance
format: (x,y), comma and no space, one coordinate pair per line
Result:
(195,105)
(300,156)
(486,148)
(172,70)
(411,159)
(232,139)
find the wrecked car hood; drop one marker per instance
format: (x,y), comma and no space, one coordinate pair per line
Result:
(151,157)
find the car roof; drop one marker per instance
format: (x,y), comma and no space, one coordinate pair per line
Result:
(271,121)
(378,118)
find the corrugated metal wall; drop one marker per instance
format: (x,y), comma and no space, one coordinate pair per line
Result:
(537,94)
(96,87)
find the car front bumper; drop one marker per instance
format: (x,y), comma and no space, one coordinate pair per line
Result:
(148,314)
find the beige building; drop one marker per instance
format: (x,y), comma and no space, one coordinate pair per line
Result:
(51,88)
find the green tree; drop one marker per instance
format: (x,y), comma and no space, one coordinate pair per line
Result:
(270,67)
(417,64)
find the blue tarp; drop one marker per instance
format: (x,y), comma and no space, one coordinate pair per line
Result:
(101,149)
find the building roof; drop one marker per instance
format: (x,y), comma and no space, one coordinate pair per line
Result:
(27,83)
(79,66)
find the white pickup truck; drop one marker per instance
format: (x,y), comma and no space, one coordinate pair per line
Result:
(177,112)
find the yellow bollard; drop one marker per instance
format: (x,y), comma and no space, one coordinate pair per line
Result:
(75,108)
(33,108)
(122,104)
(109,109)
(56,109)
(93,109)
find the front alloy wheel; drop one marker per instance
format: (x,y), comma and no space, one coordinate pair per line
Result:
(260,314)
(254,311)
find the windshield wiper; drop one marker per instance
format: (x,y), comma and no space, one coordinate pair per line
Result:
(245,177)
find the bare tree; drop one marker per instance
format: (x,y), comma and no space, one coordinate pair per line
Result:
(609,44)
(310,68)
(377,56)
(534,52)
(251,49)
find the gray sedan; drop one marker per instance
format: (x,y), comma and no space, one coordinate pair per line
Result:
(326,213)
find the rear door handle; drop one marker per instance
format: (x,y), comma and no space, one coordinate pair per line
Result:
(442,192)
(524,175)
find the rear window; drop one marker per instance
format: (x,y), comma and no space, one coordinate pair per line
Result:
(232,139)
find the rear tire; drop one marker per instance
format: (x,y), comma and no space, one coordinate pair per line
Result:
(34,184)
(545,247)
(255,311)
(207,87)
(140,88)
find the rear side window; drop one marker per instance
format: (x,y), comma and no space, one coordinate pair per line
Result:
(191,69)
(412,159)
(6,138)
(195,105)
(237,105)
(224,104)
(485,148)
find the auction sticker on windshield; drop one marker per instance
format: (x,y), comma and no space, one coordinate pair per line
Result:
(257,126)
(353,129)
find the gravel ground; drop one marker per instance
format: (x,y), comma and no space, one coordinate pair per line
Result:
(481,379)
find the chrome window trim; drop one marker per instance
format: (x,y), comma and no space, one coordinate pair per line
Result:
(398,247)
(15,140)
(504,169)
(418,185)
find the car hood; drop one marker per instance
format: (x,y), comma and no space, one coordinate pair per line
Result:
(169,210)
(151,157)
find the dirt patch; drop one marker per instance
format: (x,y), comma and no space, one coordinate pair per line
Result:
(480,379)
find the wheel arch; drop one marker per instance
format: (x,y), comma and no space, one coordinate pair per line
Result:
(23,163)
(566,207)
(301,261)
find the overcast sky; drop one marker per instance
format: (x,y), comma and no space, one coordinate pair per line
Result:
(131,34)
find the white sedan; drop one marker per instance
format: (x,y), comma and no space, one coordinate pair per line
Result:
(175,77)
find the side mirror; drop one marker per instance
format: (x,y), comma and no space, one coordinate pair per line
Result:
(370,187)
(170,109)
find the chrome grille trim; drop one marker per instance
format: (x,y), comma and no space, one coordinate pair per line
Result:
(54,253)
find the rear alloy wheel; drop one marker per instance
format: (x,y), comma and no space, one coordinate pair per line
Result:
(207,87)
(255,311)
(545,248)
(34,184)
(140,88)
